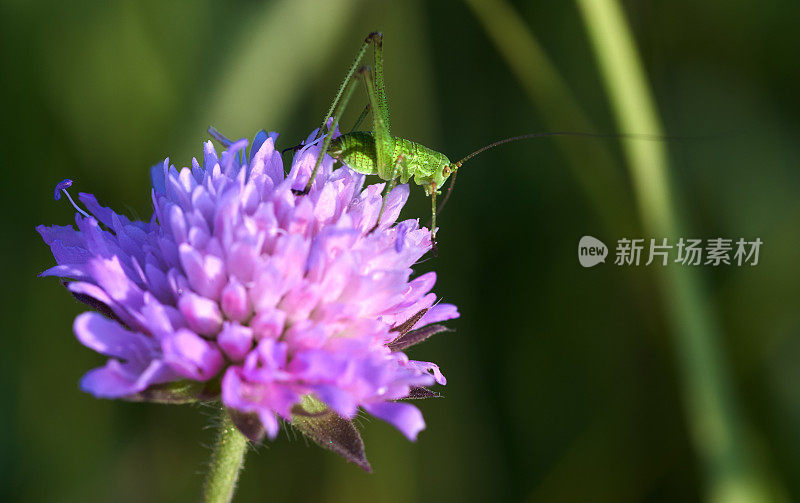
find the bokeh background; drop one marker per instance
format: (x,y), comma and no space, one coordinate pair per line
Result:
(565,383)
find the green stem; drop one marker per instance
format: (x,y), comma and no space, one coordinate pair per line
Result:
(719,432)
(226,461)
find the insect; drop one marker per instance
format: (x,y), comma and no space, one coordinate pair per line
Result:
(377,152)
(394,159)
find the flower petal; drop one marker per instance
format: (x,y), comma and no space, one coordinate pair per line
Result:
(192,356)
(118,380)
(202,315)
(403,416)
(107,337)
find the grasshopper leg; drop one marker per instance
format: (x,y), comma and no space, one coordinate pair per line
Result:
(384,143)
(340,101)
(432,189)
(361,118)
(348,92)
(449,191)
(375,38)
(401,160)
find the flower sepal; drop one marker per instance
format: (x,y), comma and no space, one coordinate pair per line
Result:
(414,337)
(327,429)
(420,393)
(249,424)
(174,393)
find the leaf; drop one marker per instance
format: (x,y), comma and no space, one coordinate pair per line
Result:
(176,393)
(416,336)
(318,422)
(249,424)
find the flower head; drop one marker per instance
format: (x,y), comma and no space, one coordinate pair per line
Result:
(243,290)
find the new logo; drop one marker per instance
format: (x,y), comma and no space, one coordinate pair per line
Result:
(591,251)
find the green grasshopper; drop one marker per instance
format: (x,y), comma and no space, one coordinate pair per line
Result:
(377,152)
(393,159)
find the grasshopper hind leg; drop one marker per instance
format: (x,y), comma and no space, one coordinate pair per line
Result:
(342,97)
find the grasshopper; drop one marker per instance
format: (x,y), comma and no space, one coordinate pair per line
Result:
(377,152)
(394,159)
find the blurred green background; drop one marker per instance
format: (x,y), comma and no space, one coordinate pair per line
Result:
(564,382)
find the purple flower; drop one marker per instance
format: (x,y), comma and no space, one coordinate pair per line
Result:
(262,298)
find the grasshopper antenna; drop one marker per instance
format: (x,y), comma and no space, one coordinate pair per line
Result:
(651,137)
(454,167)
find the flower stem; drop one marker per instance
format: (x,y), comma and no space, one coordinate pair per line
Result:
(226,461)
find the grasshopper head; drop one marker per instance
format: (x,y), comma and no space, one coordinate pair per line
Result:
(335,148)
(442,171)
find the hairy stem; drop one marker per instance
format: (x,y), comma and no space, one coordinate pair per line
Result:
(719,433)
(226,461)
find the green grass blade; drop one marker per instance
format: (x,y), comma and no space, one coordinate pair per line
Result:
(590,160)
(719,434)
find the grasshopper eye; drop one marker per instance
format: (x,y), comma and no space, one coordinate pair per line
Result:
(447,170)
